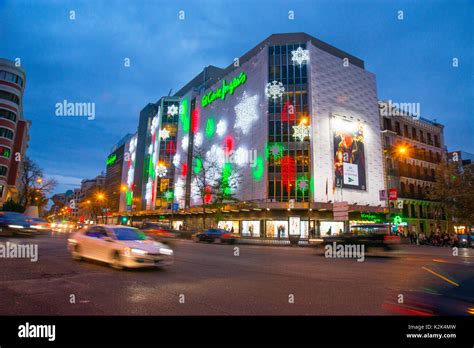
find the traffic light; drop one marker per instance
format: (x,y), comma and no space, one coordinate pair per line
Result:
(124,219)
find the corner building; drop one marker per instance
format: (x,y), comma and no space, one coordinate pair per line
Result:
(297,121)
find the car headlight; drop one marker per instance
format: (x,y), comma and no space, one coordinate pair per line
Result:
(15,226)
(138,251)
(166,251)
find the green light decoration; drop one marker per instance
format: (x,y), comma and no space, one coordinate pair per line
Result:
(302,184)
(128,197)
(197,165)
(111,159)
(168,195)
(210,127)
(311,185)
(397,220)
(151,171)
(275,150)
(221,92)
(183,115)
(225,181)
(259,169)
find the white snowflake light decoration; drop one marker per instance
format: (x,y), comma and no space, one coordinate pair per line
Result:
(164,134)
(198,138)
(221,128)
(161,171)
(301,131)
(176,159)
(247,112)
(274,90)
(185,143)
(300,56)
(172,110)
(240,156)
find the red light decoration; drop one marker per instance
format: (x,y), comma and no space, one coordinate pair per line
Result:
(184,170)
(288,112)
(207,195)
(288,171)
(228,144)
(171,147)
(195,121)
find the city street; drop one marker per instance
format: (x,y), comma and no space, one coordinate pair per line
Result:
(210,280)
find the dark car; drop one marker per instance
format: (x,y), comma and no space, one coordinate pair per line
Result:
(464,241)
(216,235)
(158,231)
(370,235)
(12,224)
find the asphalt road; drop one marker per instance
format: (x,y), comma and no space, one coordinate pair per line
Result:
(262,280)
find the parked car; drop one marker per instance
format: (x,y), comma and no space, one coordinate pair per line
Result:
(12,224)
(370,235)
(464,241)
(40,225)
(215,235)
(119,246)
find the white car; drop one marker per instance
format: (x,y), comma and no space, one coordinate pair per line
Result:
(119,246)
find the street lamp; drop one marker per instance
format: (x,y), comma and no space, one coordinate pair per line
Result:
(396,152)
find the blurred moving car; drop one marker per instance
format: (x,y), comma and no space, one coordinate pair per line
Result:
(370,235)
(41,225)
(119,246)
(12,224)
(64,226)
(158,231)
(215,235)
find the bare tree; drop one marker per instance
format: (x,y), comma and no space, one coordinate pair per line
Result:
(215,181)
(33,187)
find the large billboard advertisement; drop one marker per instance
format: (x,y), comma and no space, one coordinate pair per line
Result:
(349,156)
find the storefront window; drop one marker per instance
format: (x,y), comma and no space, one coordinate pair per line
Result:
(331,228)
(231,226)
(277,229)
(178,224)
(251,228)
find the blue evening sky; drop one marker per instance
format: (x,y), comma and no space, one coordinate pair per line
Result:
(83,60)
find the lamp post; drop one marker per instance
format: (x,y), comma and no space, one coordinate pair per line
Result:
(399,151)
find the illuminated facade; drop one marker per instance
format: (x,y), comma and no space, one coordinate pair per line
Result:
(285,131)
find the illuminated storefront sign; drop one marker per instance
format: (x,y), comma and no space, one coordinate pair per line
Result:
(372,217)
(111,159)
(222,91)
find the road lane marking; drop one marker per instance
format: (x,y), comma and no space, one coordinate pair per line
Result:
(439,275)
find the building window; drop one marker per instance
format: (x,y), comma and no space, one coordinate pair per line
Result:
(6,133)
(9,96)
(3,171)
(8,76)
(8,115)
(5,152)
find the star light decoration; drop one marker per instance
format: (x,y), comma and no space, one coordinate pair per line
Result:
(300,56)
(276,150)
(301,131)
(172,110)
(164,134)
(247,112)
(221,128)
(274,90)
(303,184)
(161,171)
(168,195)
